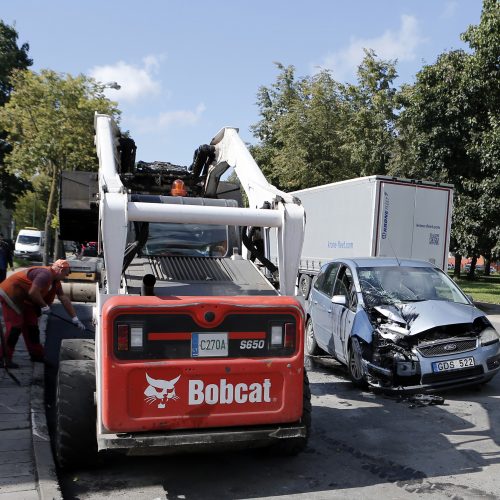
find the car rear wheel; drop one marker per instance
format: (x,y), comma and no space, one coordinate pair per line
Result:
(355,367)
(311,345)
(75,436)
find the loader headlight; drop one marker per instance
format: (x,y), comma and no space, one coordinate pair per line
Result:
(489,336)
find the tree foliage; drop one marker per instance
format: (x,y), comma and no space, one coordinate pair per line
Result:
(31,207)
(12,57)
(448,131)
(49,120)
(315,130)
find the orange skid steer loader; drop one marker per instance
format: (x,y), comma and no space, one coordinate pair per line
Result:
(199,340)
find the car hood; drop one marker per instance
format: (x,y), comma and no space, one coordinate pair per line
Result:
(422,316)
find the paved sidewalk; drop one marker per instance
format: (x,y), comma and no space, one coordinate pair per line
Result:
(27,470)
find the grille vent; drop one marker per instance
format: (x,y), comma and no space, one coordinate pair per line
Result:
(462,345)
(190,269)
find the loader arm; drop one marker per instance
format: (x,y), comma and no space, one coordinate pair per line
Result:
(116,209)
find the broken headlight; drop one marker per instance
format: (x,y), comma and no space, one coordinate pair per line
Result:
(489,336)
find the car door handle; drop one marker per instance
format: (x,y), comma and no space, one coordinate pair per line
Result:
(315,302)
(329,311)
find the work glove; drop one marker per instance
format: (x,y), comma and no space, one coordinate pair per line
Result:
(45,310)
(78,323)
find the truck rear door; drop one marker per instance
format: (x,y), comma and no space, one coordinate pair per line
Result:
(412,221)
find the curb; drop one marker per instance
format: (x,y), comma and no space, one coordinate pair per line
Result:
(48,484)
(47,481)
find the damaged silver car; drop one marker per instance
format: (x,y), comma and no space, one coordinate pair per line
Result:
(400,325)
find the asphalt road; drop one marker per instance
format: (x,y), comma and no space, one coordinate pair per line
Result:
(363,445)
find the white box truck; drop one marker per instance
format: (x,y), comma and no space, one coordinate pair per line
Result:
(374,216)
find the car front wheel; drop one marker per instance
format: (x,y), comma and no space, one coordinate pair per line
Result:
(355,368)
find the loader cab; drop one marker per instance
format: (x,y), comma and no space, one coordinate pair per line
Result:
(190,240)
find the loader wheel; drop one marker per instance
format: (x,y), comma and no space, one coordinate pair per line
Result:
(305,285)
(288,447)
(75,436)
(82,349)
(311,346)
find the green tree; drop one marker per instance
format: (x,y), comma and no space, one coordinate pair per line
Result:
(314,130)
(484,40)
(11,57)
(31,207)
(370,132)
(448,131)
(49,120)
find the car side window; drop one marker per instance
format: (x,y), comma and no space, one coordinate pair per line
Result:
(344,285)
(325,280)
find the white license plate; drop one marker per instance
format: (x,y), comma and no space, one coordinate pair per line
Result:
(453,364)
(209,345)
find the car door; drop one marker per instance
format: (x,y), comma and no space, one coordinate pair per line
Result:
(342,316)
(321,306)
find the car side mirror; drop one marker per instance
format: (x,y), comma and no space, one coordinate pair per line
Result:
(339,299)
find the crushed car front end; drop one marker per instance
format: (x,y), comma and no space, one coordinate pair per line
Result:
(413,341)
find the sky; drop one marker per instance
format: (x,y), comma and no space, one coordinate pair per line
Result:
(187,68)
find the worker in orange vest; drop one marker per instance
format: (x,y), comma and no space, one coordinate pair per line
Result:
(24,296)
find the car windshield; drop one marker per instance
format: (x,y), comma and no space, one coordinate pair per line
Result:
(28,240)
(191,240)
(392,284)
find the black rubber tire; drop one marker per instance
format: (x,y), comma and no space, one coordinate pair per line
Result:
(80,349)
(75,436)
(354,369)
(290,447)
(310,344)
(305,285)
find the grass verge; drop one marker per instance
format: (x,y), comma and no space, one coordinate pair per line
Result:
(482,288)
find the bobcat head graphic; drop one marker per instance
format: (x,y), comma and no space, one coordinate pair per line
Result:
(160,391)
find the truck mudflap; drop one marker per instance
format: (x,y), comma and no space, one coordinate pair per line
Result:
(173,363)
(135,444)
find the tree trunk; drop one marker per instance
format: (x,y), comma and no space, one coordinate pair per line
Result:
(472,269)
(50,212)
(458,264)
(487,265)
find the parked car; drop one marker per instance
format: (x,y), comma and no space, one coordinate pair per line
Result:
(400,324)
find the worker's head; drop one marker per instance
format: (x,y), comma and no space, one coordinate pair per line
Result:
(61,268)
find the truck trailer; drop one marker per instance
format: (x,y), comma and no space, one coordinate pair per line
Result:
(194,346)
(375,216)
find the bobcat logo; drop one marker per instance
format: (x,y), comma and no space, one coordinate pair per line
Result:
(160,391)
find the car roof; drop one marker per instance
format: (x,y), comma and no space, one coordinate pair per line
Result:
(383,262)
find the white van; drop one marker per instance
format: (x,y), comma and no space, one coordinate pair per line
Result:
(29,244)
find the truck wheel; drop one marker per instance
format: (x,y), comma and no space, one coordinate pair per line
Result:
(82,349)
(287,447)
(311,345)
(355,368)
(305,285)
(75,436)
